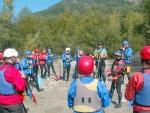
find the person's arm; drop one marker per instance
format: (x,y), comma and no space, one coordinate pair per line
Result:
(64,57)
(104,53)
(70,58)
(128,53)
(135,84)
(46,58)
(17,65)
(103,94)
(16,79)
(24,63)
(55,57)
(71,94)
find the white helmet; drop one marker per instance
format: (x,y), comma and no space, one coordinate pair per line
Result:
(10,52)
(68,49)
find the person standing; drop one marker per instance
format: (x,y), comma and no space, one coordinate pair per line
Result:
(87,95)
(138,87)
(117,71)
(12,84)
(100,54)
(27,66)
(76,56)
(42,63)
(49,60)
(126,56)
(35,57)
(66,58)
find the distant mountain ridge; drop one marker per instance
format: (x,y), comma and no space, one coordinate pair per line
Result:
(82,5)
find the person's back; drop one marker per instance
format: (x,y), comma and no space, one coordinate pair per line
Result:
(12,84)
(138,87)
(87,94)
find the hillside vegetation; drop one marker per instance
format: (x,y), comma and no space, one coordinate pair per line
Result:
(79,24)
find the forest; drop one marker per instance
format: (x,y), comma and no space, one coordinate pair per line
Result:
(78,24)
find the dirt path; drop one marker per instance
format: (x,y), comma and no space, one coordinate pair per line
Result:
(54,98)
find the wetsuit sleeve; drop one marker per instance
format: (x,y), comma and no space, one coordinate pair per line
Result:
(129,52)
(18,82)
(70,58)
(71,94)
(55,57)
(135,84)
(103,94)
(63,58)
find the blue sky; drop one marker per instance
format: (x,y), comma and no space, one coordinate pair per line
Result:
(33,5)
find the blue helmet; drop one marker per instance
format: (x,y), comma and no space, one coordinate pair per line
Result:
(125,42)
(27,53)
(48,50)
(77,50)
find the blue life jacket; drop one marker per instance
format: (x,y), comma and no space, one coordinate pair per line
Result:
(50,57)
(5,87)
(142,97)
(127,54)
(66,62)
(27,68)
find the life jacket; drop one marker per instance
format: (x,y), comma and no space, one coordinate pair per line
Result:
(124,55)
(117,66)
(142,97)
(42,58)
(5,87)
(35,57)
(29,60)
(98,54)
(67,62)
(86,99)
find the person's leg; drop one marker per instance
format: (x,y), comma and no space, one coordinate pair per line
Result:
(18,108)
(64,72)
(41,66)
(118,88)
(45,68)
(123,79)
(129,76)
(52,66)
(48,69)
(76,70)
(103,73)
(112,89)
(36,83)
(98,71)
(2,109)
(68,72)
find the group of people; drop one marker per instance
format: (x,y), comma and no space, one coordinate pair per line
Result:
(86,94)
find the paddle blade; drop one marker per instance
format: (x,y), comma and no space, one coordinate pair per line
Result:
(40,82)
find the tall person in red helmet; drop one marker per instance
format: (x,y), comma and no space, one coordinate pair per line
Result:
(87,95)
(138,88)
(35,57)
(12,84)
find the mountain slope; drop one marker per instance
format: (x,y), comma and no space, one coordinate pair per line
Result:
(80,5)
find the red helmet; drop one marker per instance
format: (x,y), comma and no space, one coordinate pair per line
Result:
(145,52)
(1,56)
(86,65)
(36,51)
